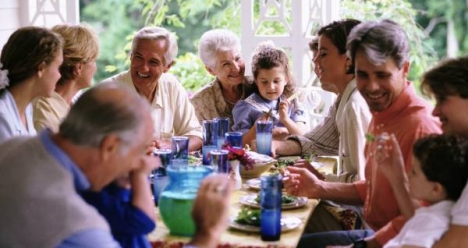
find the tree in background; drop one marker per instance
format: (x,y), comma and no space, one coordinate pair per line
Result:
(117,20)
(446,22)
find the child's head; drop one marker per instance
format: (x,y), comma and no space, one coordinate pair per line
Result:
(440,169)
(31,51)
(270,68)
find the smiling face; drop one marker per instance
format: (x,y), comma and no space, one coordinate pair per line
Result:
(447,109)
(229,68)
(331,65)
(381,84)
(147,62)
(271,82)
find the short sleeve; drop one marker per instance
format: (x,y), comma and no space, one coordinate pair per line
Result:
(244,115)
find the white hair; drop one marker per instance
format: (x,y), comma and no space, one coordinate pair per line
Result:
(156,33)
(216,40)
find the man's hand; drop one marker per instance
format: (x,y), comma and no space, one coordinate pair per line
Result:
(301,182)
(211,210)
(303,163)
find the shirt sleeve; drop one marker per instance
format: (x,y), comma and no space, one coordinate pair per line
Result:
(122,216)
(91,238)
(323,140)
(244,115)
(298,113)
(185,119)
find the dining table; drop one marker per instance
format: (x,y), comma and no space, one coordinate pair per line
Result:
(237,238)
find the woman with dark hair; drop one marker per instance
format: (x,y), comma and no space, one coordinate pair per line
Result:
(335,71)
(29,68)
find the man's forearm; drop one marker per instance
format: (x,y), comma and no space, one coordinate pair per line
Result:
(195,143)
(340,192)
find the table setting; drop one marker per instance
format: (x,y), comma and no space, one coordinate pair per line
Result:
(261,213)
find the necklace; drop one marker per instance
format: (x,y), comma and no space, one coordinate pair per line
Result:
(232,103)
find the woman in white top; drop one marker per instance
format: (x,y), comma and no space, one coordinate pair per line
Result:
(29,68)
(353,116)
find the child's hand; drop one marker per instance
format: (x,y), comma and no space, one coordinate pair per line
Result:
(388,157)
(283,108)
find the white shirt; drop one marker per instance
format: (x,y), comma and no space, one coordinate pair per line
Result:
(10,122)
(460,209)
(352,120)
(171,110)
(425,228)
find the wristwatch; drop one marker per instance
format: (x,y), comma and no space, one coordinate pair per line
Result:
(360,244)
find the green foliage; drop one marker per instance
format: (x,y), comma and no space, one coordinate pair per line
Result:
(191,72)
(422,55)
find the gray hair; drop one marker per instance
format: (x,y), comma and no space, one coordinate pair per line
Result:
(216,40)
(108,108)
(379,40)
(156,33)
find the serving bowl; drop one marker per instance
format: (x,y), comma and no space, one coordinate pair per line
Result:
(262,163)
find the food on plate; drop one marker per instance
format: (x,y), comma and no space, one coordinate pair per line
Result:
(285,198)
(248,216)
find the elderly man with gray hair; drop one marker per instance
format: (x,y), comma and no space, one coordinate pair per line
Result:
(220,51)
(379,52)
(153,52)
(105,135)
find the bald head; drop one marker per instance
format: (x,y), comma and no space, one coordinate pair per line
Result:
(105,109)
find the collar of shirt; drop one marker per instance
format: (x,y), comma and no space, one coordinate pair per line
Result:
(157,100)
(398,105)
(79,179)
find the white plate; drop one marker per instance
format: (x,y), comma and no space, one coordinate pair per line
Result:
(250,201)
(254,183)
(287,224)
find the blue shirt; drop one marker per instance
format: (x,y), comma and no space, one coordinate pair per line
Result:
(89,238)
(246,112)
(129,224)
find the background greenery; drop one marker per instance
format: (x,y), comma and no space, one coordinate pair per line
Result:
(436,28)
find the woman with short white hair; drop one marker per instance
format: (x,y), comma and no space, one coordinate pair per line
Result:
(220,51)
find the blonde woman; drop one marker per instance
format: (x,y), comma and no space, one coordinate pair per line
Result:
(80,51)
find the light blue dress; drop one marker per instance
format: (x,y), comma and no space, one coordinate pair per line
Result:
(247,111)
(10,122)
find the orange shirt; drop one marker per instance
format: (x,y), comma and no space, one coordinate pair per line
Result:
(409,118)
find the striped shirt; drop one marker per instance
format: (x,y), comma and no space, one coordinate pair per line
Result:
(324,139)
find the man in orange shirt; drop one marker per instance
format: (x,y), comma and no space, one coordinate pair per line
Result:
(379,51)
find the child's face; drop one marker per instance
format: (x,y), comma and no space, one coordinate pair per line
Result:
(448,110)
(420,187)
(271,82)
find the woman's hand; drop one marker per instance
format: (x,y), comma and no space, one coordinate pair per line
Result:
(301,182)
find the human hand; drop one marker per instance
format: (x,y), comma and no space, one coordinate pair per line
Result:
(301,182)
(387,155)
(162,143)
(146,164)
(283,108)
(304,163)
(280,133)
(210,210)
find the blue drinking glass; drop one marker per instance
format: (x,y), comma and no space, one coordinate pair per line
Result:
(180,151)
(270,203)
(223,127)
(159,178)
(210,139)
(234,139)
(264,137)
(219,161)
